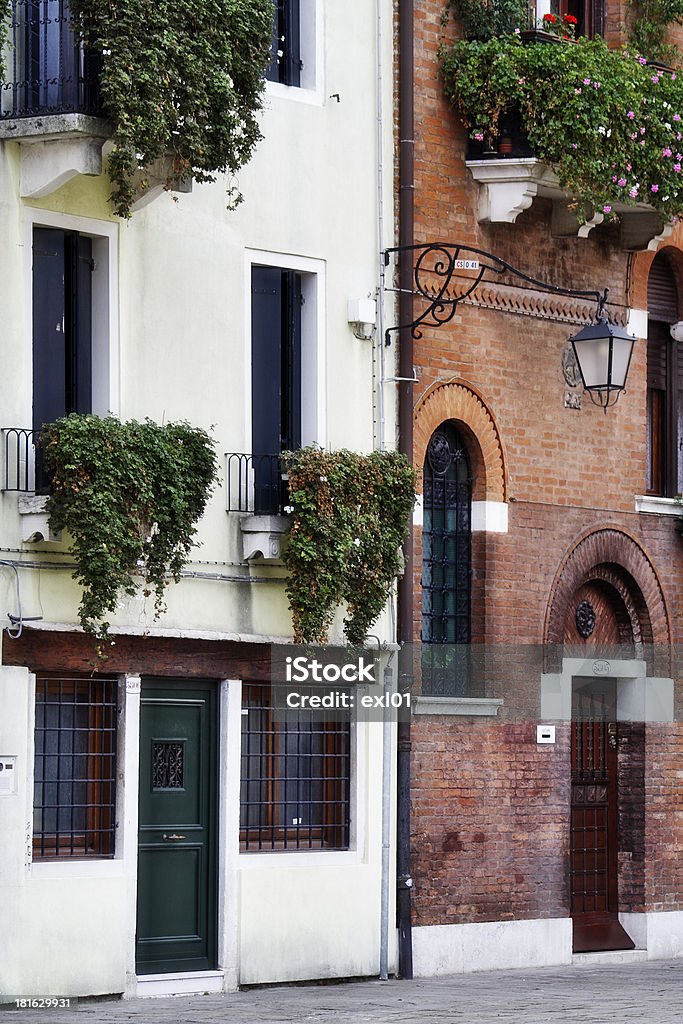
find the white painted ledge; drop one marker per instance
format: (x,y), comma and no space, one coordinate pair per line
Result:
(637,322)
(658,506)
(35,521)
(472,706)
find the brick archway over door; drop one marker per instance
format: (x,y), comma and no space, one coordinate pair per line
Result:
(616,559)
(461,403)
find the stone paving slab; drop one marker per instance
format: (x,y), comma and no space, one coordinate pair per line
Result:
(645,993)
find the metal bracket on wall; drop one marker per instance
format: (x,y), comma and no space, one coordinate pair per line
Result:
(439,265)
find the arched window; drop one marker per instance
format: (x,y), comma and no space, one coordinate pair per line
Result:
(446,562)
(664,383)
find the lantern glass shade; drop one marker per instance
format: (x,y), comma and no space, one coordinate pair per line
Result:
(603,352)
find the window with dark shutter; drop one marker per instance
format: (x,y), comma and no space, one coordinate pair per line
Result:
(285,64)
(589,14)
(62,326)
(664,384)
(276,302)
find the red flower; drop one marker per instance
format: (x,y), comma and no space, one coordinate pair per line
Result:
(569,19)
(550,18)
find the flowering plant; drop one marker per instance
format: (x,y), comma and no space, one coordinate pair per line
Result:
(609,125)
(564,27)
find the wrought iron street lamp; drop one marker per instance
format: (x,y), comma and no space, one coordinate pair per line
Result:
(602,349)
(603,353)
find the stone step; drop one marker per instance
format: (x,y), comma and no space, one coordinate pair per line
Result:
(615,956)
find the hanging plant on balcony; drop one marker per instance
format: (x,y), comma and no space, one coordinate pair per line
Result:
(350,516)
(181,82)
(648,34)
(129,494)
(607,123)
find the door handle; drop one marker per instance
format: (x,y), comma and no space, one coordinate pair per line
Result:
(173,836)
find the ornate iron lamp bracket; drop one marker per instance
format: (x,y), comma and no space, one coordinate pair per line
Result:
(438,263)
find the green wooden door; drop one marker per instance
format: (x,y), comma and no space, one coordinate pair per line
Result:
(176,921)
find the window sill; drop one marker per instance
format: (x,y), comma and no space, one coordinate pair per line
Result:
(295,93)
(654,505)
(463,706)
(250,859)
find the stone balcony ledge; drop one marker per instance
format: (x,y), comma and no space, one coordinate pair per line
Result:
(55,148)
(508,186)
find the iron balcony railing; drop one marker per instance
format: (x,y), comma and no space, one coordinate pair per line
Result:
(51,73)
(22,464)
(256,483)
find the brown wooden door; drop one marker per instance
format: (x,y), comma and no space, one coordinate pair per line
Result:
(594,819)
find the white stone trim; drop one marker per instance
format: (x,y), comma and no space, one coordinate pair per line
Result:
(659,932)
(490,516)
(494,945)
(654,505)
(480,706)
(230,743)
(640,698)
(418,511)
(190,983)
(637,322)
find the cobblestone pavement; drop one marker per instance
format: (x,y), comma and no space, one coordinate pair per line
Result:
(649,993)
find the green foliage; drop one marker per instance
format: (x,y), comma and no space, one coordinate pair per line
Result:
(607,123)
(350,516)
(648,34)
(486,19)
(5,21)
(181,79)
(129,494)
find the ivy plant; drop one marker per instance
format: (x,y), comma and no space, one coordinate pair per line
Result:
(350,516)
(180,79)
(650,22)
(487,19)
(609,124)
(129,494)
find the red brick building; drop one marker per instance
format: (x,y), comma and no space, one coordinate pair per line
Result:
(547,531)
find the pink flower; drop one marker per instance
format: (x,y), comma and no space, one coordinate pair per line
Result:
(677,117)
(614,177)
(586,81)
(574,145)
(607,209)
(479,136)
(630,114)
(673,76)
(633,192)
(577,92)
(628,167)
(634,135)
(655,79)
(654,188)
(677,168)
(621,182)
(642,60)
(642,131)
(666,151)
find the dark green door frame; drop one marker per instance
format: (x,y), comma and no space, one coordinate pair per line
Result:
(177,833)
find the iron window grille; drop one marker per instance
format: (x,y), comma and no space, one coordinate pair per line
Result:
(295,779)
(446,566)
(51,72)
(256,483)
(18,454)
(74,802)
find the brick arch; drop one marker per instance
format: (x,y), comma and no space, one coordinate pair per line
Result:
(640,271)
(616,558)
(463,404)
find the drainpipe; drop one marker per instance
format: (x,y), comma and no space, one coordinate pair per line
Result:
(405,426)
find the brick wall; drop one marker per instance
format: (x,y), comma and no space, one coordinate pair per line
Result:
(490,812)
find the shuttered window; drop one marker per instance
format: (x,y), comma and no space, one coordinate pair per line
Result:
(664,384)
(285,63)
(589,14)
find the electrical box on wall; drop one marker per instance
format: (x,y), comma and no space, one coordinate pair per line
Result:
(545,733)
(8,775)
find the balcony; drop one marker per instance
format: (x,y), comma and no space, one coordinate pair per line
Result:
(22,473)
(257,488)
(51,103)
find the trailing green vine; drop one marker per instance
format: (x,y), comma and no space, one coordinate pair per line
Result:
(180,79)
(648,32)
(5,22)
(350,516)
(130,495)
